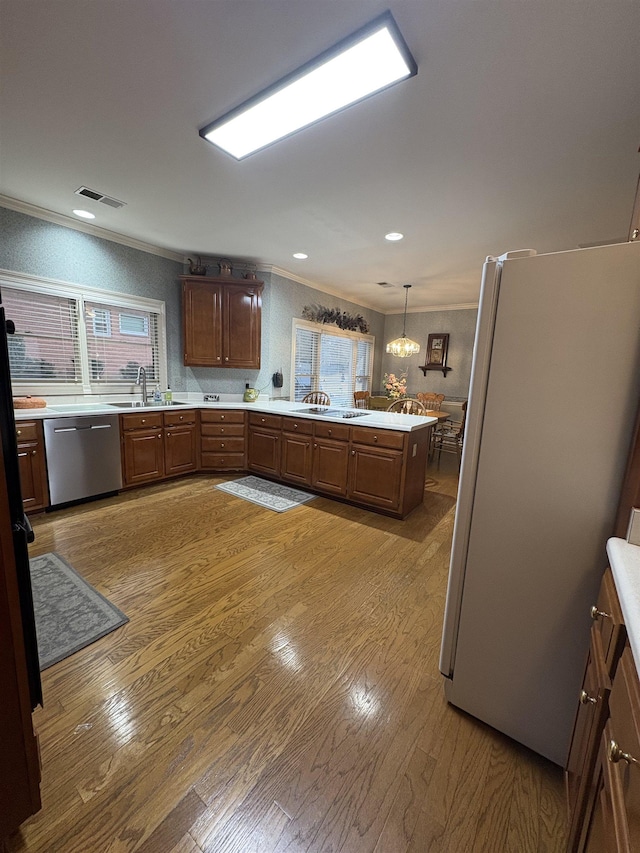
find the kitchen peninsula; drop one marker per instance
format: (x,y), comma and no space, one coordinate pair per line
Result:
(376,460)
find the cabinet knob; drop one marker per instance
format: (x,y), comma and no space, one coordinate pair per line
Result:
(221,417)
(222,445)
(226,358)
(159,435)
(598,614)
(33,452)
(315,445)
(295,426)
(262,420)
(168,435)
(181,417)
(585,699)
(222,430)
(375,437)
(615,754)
(18,432)
(353,453)
(330,431)
(635,234)
(218,358)
(143,421)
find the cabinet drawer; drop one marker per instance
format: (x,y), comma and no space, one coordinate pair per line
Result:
(221,416)
(179,418)
(269,421)
(222,445)
(300,426)
(26,431)
(339,432)
(378,437)
(223,461)
(221,429)
(143,421)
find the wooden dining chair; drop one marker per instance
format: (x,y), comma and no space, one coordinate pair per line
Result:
(449,437)
(408,406)
(430,401)
(361,399)
(379,403)
(318,398)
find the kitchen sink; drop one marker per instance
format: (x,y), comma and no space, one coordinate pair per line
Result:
(138,404)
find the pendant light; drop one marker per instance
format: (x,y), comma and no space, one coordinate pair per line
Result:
(403,347)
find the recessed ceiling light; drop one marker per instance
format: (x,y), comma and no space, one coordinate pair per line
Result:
(367,61)
(300,256)
(84,214)
(393,236)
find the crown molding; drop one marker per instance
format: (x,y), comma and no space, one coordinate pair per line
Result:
(321,287)
(87,228)
(463,306)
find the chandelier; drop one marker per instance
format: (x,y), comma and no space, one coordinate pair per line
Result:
(403,346)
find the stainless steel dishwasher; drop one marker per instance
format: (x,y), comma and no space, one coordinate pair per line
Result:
(83,457)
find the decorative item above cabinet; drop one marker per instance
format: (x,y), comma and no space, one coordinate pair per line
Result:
(221,322)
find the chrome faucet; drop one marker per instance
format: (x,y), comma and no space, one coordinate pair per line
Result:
(142,374)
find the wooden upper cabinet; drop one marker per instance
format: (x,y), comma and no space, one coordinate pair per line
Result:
(222,322)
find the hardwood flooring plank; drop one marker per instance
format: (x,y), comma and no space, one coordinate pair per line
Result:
(275,689)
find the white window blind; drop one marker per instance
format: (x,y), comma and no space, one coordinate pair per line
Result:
(336,362)
(71,339)
(45,346)
(118,356)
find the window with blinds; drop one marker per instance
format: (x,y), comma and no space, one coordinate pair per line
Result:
(79,341)
(336,362)
(45,346)
(131,342)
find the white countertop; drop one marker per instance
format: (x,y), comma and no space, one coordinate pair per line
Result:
(624,560)
(370,418)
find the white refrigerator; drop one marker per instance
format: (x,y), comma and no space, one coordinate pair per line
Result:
(555,386)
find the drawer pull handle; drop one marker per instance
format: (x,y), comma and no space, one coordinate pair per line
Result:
(585,699)
(615,754)
(598,614)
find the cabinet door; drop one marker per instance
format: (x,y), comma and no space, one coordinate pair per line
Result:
(33,476)
(264,451)
(375,476)
(142,457)
(593,708)
(242,310)
(296,458)
(202,323)
(180,449)
(330,466)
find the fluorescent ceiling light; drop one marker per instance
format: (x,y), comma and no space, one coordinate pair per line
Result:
(366,62)
(84,214)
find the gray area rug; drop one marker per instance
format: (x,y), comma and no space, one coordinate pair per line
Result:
(270,495)
(70,613)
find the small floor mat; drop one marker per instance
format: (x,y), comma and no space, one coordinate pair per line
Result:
(265,493)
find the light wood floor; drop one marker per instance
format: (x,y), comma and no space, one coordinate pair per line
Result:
(276,689)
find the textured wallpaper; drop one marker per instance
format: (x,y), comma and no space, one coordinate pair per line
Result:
(39,248)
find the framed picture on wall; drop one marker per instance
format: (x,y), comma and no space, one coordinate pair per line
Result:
(437,349)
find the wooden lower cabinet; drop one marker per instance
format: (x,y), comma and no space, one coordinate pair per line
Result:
(614,823)
(379,469)
(180,442)
(142,456)
(223,440)
(296,460)
(603,770)
(265,439)
(32,465)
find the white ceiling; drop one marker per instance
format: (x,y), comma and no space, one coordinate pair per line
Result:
(521,130)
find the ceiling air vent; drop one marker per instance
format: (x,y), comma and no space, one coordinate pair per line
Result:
(96,196)
(384,284)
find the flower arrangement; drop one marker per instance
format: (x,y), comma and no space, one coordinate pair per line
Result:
(394,386)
